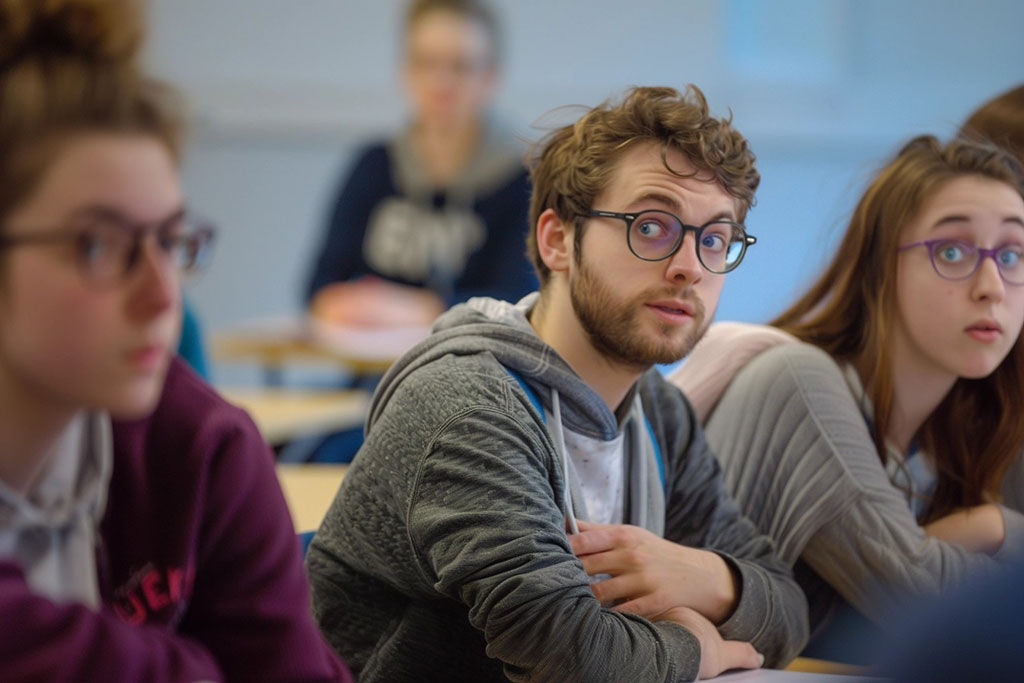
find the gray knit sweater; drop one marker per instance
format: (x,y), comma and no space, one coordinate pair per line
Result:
(796,452)
(444,556)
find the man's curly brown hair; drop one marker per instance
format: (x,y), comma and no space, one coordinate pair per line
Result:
(572,165)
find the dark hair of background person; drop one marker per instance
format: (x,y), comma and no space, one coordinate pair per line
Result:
(473,10)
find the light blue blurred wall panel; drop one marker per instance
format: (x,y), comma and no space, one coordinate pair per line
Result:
(285,90)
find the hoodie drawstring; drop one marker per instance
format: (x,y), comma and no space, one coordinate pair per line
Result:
(559,439)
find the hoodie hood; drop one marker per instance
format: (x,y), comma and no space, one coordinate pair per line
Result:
(497,158)
(503,330)
(484,325)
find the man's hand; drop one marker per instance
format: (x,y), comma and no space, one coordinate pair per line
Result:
(716,655)
(652,575)
(979,529)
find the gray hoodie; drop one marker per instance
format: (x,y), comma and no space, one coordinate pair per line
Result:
(444,555)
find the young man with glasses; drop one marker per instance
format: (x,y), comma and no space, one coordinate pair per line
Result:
(533,501)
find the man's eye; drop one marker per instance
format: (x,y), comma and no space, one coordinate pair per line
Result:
(712,242)
(650,229)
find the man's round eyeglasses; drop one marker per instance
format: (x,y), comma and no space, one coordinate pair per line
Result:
(657,235)
(959,260)
(108,248)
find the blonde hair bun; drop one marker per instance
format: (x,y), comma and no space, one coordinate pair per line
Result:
(89,30)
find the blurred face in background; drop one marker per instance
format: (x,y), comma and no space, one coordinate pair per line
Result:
(71,339)
(450,72)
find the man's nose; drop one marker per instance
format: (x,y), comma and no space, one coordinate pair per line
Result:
(684,266)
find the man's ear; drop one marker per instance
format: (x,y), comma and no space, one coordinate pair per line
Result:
(554,240)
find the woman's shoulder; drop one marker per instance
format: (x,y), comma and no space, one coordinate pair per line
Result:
(801,364)
(731,349)
(793,401)
(795,382)
(190,417)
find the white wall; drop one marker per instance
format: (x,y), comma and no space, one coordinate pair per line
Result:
(825,89)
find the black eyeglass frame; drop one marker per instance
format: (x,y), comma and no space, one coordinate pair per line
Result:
(200,236)
(698,230)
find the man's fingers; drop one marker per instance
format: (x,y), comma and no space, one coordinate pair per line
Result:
(605,562)
(596,538)
(736,654)
(647,606)
(591,541)
(615,588)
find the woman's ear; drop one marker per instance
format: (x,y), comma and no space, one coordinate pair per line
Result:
(554,241)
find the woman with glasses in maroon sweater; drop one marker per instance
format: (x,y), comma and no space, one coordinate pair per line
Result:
(143,535)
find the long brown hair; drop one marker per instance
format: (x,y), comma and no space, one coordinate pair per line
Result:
(1000,120)
(69,67)
(976,431)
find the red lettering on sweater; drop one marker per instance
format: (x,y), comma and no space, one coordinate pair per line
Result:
(147,592)
(131,609)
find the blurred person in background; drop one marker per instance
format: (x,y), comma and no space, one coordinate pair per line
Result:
(439,212)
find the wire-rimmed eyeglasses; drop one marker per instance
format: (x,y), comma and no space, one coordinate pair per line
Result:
(656,235)
(108,248)
(959,260)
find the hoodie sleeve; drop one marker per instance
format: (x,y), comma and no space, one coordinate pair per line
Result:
(771,612)
(41,640)
(488,531)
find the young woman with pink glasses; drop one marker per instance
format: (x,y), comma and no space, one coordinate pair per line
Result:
(874,429)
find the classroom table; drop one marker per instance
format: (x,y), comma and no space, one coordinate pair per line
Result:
(275,342)
(309,490)
(284,415)
(824,666)
(795,676)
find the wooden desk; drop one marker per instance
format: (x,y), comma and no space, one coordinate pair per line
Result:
(275,342)
(309,490)
(284,415)
(776,676)
(823,666)
(803,670)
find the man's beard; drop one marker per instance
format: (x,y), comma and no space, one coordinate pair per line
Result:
(615,332)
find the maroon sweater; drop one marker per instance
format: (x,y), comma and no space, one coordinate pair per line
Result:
(199,567)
